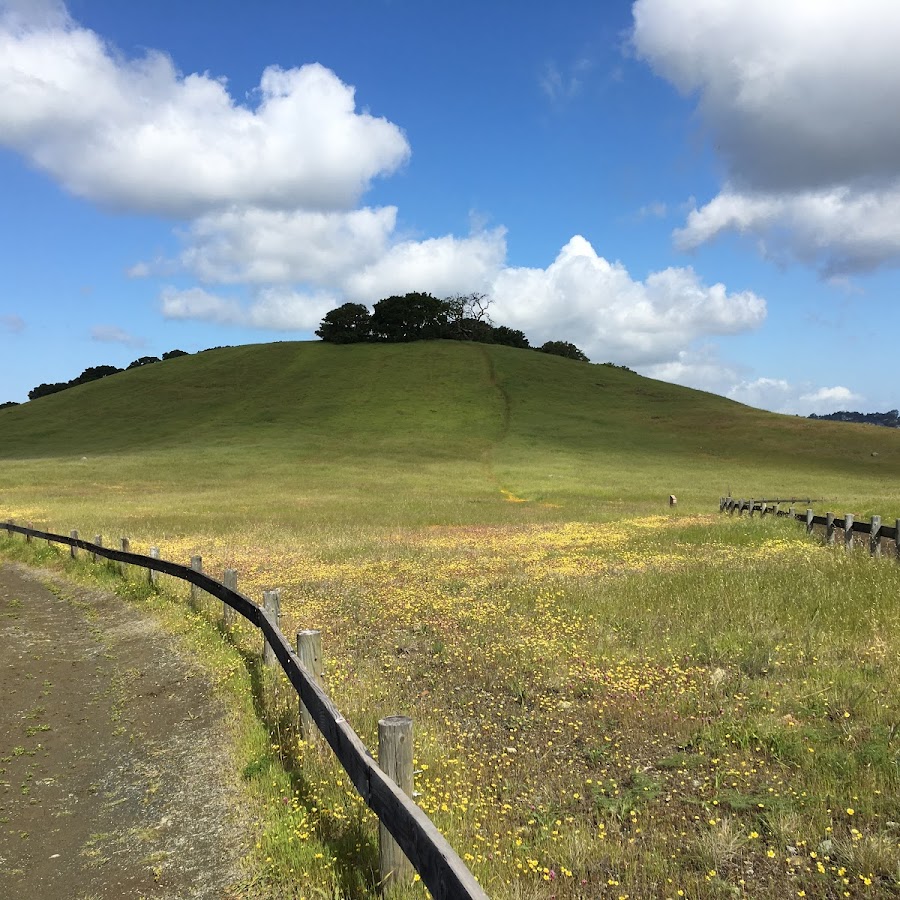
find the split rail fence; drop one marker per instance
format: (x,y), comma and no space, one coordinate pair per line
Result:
(405,829)
(874,531)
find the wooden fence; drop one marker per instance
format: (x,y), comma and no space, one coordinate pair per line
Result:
(441,869)
(874,531)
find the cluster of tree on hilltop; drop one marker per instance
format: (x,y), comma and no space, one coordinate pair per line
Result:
(95,373)
(421,317)
(889,419)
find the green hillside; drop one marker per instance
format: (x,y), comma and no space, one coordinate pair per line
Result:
(458,422)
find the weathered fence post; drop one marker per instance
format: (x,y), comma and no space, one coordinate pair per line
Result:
(272,605)
(125,547)
(229,579)
(775,510)
(98,540)
(73,550)
(897,538)
(875,536)
(28,537)
(762,508)
(197,566)
(309,649)
(829,529)
(752,504)
(395,757)
(10,522)
(809,521)
(848,531)
(792,512)
(152,574)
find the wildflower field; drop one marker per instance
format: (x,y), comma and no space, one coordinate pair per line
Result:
(611,698)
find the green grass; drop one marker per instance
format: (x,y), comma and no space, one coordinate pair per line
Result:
(611,697)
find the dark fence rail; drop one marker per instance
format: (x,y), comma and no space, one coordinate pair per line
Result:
(442,871)
(848,523)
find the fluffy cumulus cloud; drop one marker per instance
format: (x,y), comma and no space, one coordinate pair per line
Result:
(583,298)
(260,246)
(580,297)
(272,309)
(139,135)
(441,266)
(798,98)
(782,396)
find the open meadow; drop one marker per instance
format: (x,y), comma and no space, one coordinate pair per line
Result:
(611,698)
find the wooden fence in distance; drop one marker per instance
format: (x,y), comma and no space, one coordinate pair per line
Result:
(876,533)
(441,869)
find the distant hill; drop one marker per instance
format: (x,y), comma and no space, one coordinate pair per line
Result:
(889,419)
(543,423)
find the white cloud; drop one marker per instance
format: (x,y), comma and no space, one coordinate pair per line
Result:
(272,309)
(112,334)
(838,230)
(274,247)
(12,323)
(798,98)
(831,396)
(779,395)
(697,367)
(583,298)
(139,135)
(580,297)
(440,266)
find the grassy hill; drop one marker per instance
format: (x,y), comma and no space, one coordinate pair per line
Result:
(457,422)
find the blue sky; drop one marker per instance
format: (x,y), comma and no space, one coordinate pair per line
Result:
(705,190)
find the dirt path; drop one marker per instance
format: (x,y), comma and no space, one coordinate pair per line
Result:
(114,777)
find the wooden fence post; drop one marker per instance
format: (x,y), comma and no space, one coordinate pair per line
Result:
(848,531)
(775,510)
(809,521)
(829,529)
(28,537)
(73,550)
(125,547)
(875,536)
(272,604)
(309,649)
(395,757)
(762,508)
(897,538)
(152,574)
(792,512)
(752,504)
(197,566)
(98,540)
(229,579)
(10,522)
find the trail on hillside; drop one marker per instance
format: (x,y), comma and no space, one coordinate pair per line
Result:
(113,753)
(505,417)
